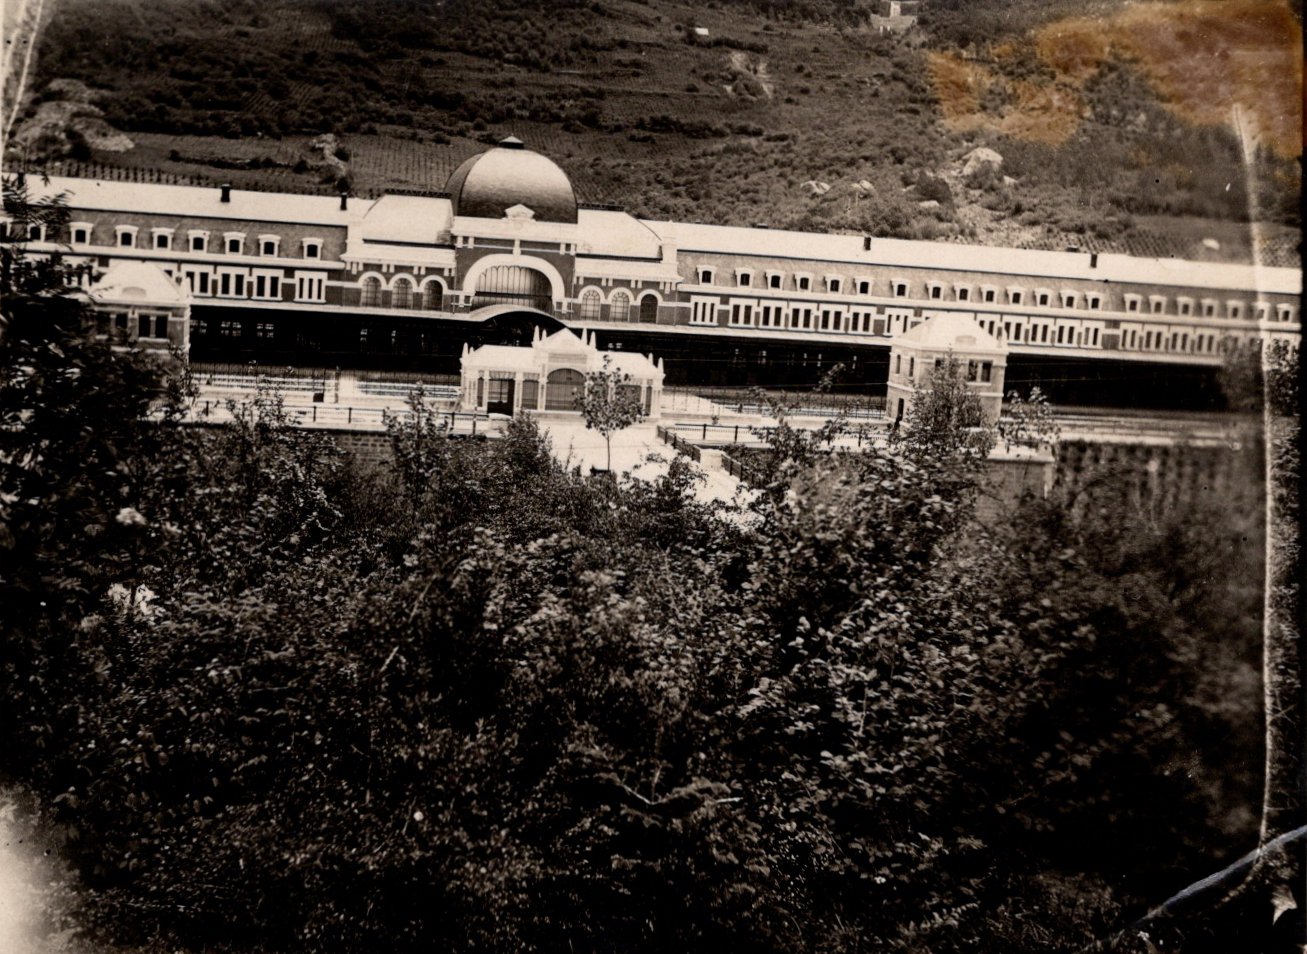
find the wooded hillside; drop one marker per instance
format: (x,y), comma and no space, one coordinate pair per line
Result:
(727,125)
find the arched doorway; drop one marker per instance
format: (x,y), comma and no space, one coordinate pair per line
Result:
(649,309)
(563,387)
(513,285)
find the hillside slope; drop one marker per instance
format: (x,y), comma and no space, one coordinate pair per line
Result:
(746,119)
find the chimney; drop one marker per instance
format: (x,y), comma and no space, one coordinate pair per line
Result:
(344,201)
(226,191)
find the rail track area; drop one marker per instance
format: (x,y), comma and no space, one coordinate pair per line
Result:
(342,400)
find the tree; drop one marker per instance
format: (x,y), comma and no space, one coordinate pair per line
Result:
(945,419)
(608,404)
(1028,422)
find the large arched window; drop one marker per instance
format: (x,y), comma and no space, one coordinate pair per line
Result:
(401,293)
(562,388)
(619,307)
(649,309)
(371,296)
(433,295)
(514,285)
(590,300)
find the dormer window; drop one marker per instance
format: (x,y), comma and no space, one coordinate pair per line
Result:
(268,245)
(900,288)
(803,282)
(833,284)
(963,292)
(743,277)
(1068,299)
(864,286)
(313,248)
(1262,310)
(775,280)
(988,294)
(1284,312)
(935,290)
(1209,308)
(1132,302)
(1234,309)
(126,236)
(234,242)
(1042,297)
(1015,296)
(1185,306)
(705,276)
(199,240)
(1156,304)
(162,239)
(81,232)
(1094,302)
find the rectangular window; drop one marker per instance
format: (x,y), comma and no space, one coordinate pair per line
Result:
(900,289)
(898,364)
(989,296)
(1132,304)
(161,326)
(162,240)
(233,246)
(143,326)
(1042,300)
(912,367)
(964,294)
(238,285)
(705,276)
(81,237)
(773,281)
(126,239)
(310,286)
(744,280)
(936,291)
(804,283)
(834,286)
(231,329)
(703,313)
(198,243)
(269,247)
(864,288)
(312,250)
(266,330)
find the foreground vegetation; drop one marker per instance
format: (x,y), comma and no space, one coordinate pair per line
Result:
(268,699)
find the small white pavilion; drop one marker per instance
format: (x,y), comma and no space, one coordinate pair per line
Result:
(549,375)
(983,359)
(139,303)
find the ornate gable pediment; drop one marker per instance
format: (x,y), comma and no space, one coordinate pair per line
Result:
(520,213)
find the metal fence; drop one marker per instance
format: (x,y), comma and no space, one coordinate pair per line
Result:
(334,416)
(679,443)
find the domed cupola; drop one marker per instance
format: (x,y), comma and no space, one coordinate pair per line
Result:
(509,180)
